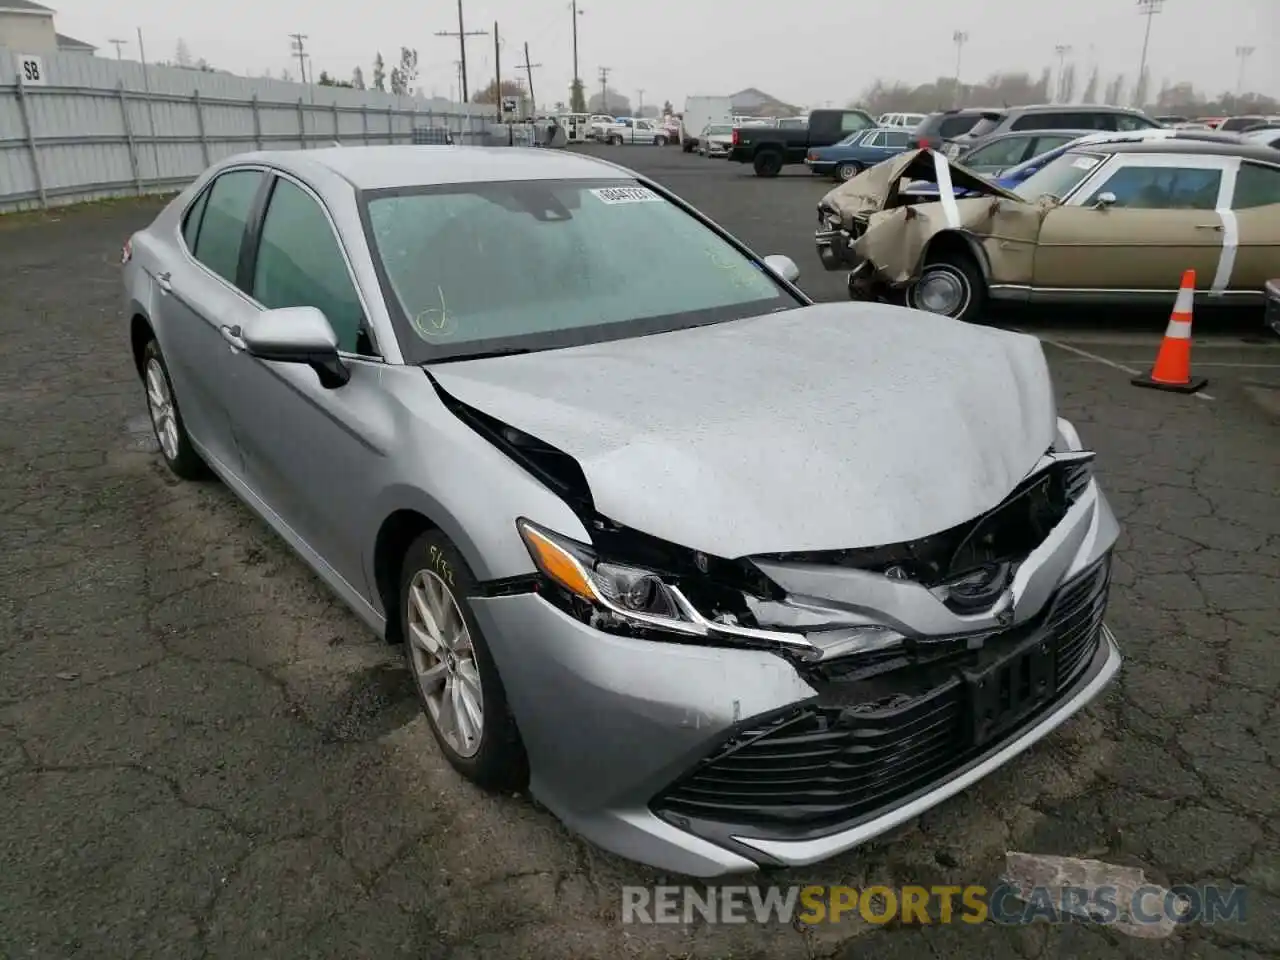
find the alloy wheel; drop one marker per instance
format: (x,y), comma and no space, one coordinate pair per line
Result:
(444,663)
(164,415)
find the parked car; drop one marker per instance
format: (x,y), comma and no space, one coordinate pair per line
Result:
(599,121)
(1241,123)
(908,120)
(1171,121)
(1267,136)
(848,158)
(1004,150)
(1047,117)
(938,129)
(769,149)
(1015,175)
(715,140)
(670,126)
(700,112)
(1114,222)
(613,584)
(631,130)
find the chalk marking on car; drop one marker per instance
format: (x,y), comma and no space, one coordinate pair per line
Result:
(1230,231)
(946,194)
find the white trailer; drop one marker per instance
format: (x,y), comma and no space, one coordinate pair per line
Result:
(699,112)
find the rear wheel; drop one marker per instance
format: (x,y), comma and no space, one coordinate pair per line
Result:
(768,163)
(454,673)
(659,141)
(847,171)
(616,140)
(686,146)
(951,284)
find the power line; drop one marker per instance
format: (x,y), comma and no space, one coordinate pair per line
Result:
(528,69)
(300,51)
(118,44)
(462,33)
(604,88)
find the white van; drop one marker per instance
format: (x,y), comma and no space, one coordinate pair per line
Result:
(700,113)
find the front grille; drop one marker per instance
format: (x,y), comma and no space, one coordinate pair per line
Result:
(830,764)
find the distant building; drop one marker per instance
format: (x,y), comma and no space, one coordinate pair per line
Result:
(754,103)
(27,27)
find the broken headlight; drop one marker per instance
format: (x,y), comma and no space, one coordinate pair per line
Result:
(622,598)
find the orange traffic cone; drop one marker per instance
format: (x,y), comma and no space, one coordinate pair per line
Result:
(1172,370)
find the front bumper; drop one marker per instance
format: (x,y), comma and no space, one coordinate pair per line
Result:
(640,746)
(834,242)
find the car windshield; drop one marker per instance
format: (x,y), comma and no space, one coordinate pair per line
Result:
(531,265)
(1059,177)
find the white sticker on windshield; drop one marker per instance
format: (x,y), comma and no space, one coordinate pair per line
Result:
(1084,163)
(627,195)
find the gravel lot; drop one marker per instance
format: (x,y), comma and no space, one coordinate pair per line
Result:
(203,755)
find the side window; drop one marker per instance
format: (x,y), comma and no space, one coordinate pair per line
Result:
(897,139)
(849,122)
(1002,153)
(301,265)
(873,140)
(223,223)
(1125,121)
(1046,143)
(1033,121)
(1162,188)
(1256,186)
(191,225)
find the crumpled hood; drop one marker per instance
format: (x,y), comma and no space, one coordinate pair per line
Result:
(878,187)
(825,427)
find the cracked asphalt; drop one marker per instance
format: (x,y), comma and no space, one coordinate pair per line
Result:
(203,755)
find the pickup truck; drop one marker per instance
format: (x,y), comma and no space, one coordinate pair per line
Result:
(769,149)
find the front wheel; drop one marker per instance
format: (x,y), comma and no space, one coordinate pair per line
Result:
(950,284)
(454,673)
(659,141)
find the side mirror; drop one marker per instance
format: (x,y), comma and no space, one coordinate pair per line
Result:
(1104,200)
(783,266)
(297,335)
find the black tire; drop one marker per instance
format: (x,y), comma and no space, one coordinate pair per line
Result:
(847,171)
(500,762)
(962,269)
(686,146)
(768,163)
(616,140)
(659,141)
(179,454)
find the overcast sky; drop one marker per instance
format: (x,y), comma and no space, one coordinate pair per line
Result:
(806,54)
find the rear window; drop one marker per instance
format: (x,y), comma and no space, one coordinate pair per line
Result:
(985,124)
(952,127)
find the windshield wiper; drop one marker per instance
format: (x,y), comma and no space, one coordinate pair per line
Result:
(481,355)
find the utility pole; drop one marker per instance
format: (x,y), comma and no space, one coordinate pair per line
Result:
(604,89)
(528,69)
(300,51)
(462,33)
(1062,50)
(1244,53)
(577,80)
(640,102)
(497,68)
(959,38)
(118,44)
(1148,9)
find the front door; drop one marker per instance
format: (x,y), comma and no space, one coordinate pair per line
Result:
(310,451)
(199,296)
(1163,220)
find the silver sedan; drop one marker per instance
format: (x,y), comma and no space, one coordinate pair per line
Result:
(728,578)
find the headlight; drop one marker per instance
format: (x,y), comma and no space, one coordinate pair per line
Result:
(615,597)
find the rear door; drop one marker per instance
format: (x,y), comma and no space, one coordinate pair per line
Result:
(1164,220)
(199,296)
(1255,210)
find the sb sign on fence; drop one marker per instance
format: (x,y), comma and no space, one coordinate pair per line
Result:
(30,70)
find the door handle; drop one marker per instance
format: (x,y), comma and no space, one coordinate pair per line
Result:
(163,282)
(1209,226)
(233,338)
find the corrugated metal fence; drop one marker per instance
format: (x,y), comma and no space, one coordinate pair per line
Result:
(101,128)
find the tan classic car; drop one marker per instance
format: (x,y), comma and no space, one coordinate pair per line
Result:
(1114,222)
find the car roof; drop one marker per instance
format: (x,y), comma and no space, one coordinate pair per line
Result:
(1071,108)
(375,168)
(1176,145)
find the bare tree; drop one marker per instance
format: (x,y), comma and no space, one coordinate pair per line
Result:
(1091,88)
(182,55)
(357,78)
(379,73)
(408,67)
(1114,90)
(397,81)
(577,97)
(1140,89)
(1067,84)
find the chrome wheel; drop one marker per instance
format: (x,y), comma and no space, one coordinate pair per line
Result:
(164,416)
(941,291)
(444,663)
